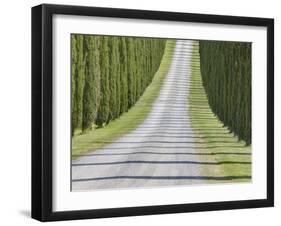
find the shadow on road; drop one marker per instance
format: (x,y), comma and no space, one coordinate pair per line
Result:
(165,178)
(159,162)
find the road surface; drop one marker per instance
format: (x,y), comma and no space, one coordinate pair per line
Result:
(160,152)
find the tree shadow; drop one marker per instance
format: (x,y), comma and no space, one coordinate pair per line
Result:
(218,178)
(162,163)
(166,147)
(164,153)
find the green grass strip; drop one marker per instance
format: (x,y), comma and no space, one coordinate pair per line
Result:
(97,138)
(213,139)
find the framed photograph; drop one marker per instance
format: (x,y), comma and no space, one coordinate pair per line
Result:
(146,112)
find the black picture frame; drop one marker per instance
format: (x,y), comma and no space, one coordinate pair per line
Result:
(42,111)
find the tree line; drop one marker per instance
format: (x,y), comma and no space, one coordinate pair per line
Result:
(109,74)
(226,75)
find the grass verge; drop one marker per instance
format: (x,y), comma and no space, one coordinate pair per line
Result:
(214,140)
(97,138)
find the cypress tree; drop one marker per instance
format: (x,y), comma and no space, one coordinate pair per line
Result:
(138,68)
(78,77)
(118,77)
(113,77)
(123,76)
(103,111)
(109,74)
(91,95)
(131,72)
(226,75)
(73,83)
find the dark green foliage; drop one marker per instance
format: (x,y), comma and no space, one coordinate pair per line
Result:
(226,75)
(78,73)
(131,72)
(73,86)
(91,95)
(123,76)
(118,77)
(103,111)
(109,74)
(114,100)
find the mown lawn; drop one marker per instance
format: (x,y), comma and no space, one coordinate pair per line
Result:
(98,137)
(215,142)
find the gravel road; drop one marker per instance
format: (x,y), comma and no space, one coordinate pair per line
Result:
(160,152)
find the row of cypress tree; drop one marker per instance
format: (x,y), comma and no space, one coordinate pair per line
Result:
(109,74)
(226,75)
